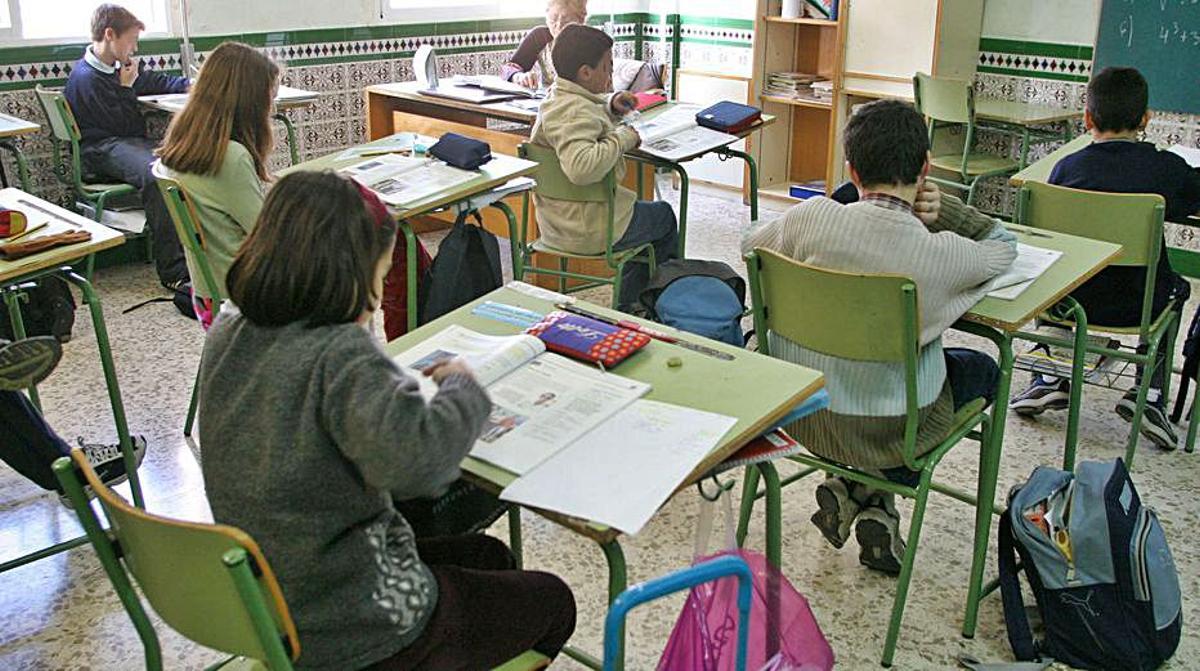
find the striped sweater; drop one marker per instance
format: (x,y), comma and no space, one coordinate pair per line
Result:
(950,262)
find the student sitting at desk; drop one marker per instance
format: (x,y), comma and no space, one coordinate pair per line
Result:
(102,90)
(310,430)
(579,121)
(530,65)
(217,149)
(1117,162)
(950,252)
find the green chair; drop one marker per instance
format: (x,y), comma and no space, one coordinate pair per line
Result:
(209,582)
(68,162)
(868,318)
(1134,221)
(951,103)
(553,183)
(183,215)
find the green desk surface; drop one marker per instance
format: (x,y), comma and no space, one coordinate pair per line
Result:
(1021,114)
(61,220)
(493,174)
(1082,258)
(1039,171)
(755,389)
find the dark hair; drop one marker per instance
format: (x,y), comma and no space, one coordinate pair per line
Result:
(312,254)
(1117,99)
(113,16)
(887,143)
(576,46)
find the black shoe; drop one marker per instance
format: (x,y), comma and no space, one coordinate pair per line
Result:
(27,362)
(1156,426)
(109,463)
(878,533)
(837,511)
(1041,395)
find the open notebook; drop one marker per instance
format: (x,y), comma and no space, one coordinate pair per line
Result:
(673,134)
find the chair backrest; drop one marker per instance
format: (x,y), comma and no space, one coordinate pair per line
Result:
(187,227)
(945,100)
(1132,220)
(552,182)
(59,115)
(209,582)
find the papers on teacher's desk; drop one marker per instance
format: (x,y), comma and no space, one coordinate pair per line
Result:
(1029,265)
(673,133)
(399,180)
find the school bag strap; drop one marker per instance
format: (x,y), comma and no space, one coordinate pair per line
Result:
(1015,620)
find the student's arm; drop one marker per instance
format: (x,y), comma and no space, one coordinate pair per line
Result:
(526,55)
(243,199)
(380,422)
(765,234)
(958,217)
(585,151)
(969,263)
(152,82)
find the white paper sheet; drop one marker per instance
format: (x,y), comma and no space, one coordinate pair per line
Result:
(621,472)
(1029,265)
(1189,154)
(673,134)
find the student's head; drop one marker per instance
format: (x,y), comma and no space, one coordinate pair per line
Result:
(117,29)
(316,255)
(887,145)
(231,100)
(1117,101)
(561,13)
(583,55)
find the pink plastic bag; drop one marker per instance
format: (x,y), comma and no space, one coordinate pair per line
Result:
(783,636)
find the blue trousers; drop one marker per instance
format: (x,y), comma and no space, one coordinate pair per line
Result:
(653,222)
(27,443)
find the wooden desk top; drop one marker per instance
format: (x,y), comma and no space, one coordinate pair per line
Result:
(1021,114)
(60,220)
(11,126)
(756,389)
(495,173)
(1082,258)
(411,91)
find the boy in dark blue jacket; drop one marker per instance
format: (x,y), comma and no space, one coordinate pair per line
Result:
(102,91)
(1116,162)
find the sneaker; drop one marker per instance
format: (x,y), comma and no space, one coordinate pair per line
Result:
(837,511)
(182,285)
(108,463)
(27,362)
(1155,424)
(878,532)
(1041,395)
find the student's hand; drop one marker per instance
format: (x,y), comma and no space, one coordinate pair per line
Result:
(929,203)
(442,370)
(527,79)
(129,74)
(623,103)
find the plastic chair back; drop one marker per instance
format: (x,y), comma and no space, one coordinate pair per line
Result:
(59,115)
(1134,221)
(552,182)
(675,582)
(944,100)
(209,582)
(184,216)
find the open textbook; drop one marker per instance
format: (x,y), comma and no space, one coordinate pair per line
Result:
(399,180)
(673,134)
(1029,265)
(542,402)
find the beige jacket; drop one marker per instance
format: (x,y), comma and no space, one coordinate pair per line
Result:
(580,127)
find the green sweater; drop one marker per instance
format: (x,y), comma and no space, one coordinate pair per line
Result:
(227,204)
(305,431)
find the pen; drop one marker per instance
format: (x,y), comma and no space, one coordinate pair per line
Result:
(1029,231)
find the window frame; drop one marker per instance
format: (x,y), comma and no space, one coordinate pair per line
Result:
(452,10)
(15,36)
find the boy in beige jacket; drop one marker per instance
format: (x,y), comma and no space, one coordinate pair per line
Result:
(579,119)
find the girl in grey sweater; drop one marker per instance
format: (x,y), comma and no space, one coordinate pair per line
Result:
(309,429)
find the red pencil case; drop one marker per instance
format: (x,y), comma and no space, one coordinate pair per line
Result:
(589,340)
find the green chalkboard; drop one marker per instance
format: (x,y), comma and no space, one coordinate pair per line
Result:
(1162,39)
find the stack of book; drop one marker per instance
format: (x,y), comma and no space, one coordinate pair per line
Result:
(790,84)
(822,89)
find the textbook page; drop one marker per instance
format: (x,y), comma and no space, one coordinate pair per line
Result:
(673,134)
(405,179)
(489,357)
(621,472)
(1029,265)
(545,405)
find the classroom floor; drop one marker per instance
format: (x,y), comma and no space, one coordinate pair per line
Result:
(60,612)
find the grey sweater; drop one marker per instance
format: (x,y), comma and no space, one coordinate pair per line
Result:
(304,431)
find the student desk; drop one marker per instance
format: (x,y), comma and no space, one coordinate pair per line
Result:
(14,274)
(499,171)
(1039,170)
(756,389)
(401,106)
(12,127)
(1024,117)
(286,98)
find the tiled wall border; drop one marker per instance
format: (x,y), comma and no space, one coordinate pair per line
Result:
(1042,60)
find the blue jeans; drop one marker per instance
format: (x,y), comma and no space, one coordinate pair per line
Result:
(27,443)
(652,222)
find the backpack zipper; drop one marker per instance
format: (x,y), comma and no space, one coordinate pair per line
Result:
(1140,571)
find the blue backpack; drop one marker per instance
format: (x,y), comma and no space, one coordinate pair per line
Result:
(702,297)
(1099,566)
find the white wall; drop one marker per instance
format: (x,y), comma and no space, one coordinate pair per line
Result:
(729,9)
(1055,21)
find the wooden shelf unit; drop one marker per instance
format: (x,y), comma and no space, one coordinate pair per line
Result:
(806,21)
(821,103)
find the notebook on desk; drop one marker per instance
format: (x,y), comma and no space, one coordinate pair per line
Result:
(470,94)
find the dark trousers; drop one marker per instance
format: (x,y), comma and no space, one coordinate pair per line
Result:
(27,443)
(487,612)
(128,159)
(653,222)
(971,375)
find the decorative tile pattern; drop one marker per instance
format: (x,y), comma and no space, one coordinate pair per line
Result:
(1064,62)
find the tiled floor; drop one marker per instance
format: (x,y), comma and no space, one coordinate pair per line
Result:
(60,613)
